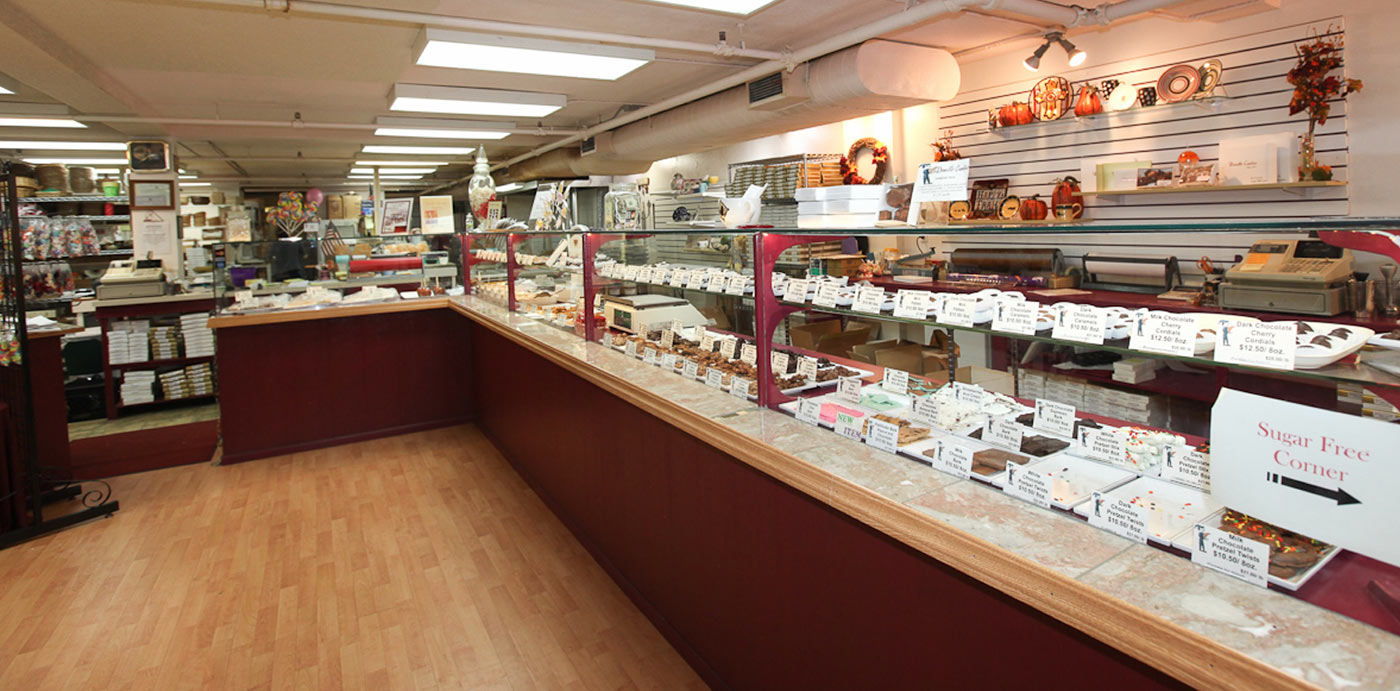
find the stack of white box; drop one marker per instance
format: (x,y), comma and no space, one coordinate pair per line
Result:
(174,385)
(138,387)
(1135,370)
(1065,390)
(165,343)
(843,206)
(200,379)
(117,346)
(199,338)
(1030,384)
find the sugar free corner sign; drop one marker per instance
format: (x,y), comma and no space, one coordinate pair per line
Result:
(1330,476)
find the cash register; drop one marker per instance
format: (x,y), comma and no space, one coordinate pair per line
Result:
(132,278)
(1297,276)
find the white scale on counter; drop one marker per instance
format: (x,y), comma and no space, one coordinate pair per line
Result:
(641,313)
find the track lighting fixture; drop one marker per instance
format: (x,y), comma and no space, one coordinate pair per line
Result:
(1076,56)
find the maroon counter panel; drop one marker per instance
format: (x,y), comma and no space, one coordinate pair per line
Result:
(758,585)
(299,385)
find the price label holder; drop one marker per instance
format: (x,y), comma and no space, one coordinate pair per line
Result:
(826,295)
(779,361)
(736,286)
(727,348)
(668,361)
(678,327)
(644,274)
(1004,432)
(912,304)
(1122,518)
(1104,445)
(869,299)
(714,378)
(796,290)
(1186,466)
(926,410)
(895,381)
(1054,417)
(1081,323)
(848,426)
(1231,554)
(809,411)
(695,280)
(631,348)
(882,435)
(678,277)
(630,273)
(668,337)
(971,394)
(807,367)
(1258,344)
(659,275)
(707,343)
(1028,485)
(652,356)
(1167,334)
(739,388)
(692,369)
(1015,316)
(848,390)
(953,458)
(958,310)
(749,354)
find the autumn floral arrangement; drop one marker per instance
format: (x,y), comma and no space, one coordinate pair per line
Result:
(879,155)
(1314,88)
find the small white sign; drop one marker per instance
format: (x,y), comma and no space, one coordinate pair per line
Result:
(971,394)
(1015,316)
(1054,417)
(895,381)
(912,304)
(809,411)
(958,310)
(707,343)
(1122,518)
(926,410)
(1105,445)
(796,290)
(727,347)
(739,388)
(714,378)
(1082,323)
(1186,466)
(779,361)
(807,367)
(1028,485)
(936,303)
(849,426)
(695,280)
(953,458)
(644,274)
(736,286)
(882,435)
(826,295)
(869,299)
(692,369)
(678,277)
(668,338)
(749,354)
(678,327)
(1168,334)
(630,273)
(668,361)
(631,348)
(1004,432)
(1260,344)
(944,181)
(1231,554)
(848,390)
(652,356)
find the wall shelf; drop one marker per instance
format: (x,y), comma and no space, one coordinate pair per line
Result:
(1287,186)
(1012,222)
(91,198)
(1208,103)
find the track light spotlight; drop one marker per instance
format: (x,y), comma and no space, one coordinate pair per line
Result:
(1076,56)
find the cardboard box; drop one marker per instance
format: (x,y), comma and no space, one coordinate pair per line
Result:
(842,264)
(828,337)
(908,357)
(809,334)
(989,379)
(865,352)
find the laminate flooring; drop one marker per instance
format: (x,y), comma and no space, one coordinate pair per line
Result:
(417,561)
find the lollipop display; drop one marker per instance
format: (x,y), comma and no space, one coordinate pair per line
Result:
(292,212)
(481,189)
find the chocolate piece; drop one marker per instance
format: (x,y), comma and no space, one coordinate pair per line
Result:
(1340,333)
(1037,445)
(1303,328)
(1323,341)
(1026,419)
(993,461)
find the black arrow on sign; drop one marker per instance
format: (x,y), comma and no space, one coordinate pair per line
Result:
(1340,495)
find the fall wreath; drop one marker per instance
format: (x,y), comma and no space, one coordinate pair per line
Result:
(880,156)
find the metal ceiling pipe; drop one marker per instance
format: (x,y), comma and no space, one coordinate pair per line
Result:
(327,9)
(287,124)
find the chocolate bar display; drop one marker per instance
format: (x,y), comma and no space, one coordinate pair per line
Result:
(1289,553)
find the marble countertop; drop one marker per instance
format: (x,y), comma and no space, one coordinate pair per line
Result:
(1311,644)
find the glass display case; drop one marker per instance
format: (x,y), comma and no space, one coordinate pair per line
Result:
(310,272)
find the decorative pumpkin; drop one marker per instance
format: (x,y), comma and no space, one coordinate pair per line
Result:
(1188,157)
(1089,102)
(1067,192)
(1034,209)
(1015,113)
(880,156)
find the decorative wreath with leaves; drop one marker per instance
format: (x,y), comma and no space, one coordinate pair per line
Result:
(880,156)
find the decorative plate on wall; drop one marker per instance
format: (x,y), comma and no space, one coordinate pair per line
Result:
(1122,98)
(960,210)
(1050,98)
(1178,83)
(1210,78)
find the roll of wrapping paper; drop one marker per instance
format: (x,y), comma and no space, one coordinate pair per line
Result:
(388,264)
(1008,261)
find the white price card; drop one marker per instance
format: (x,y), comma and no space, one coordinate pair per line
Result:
(660,274)
(692,369)
(749,354)
(1231,554)
(631,348)
(848,425)
(644,274)
(631,273)
(796,290)
(727,348)
(679,327)
(1186,466)
(1122,518)
(882,435)
(779,360)
(668,337)
(1004,432)
(1028,485)
(826,295)
(707,343)
(1168,334)
(807,367)
(1107,445)
(809,411)
(652,356)
(869,299)
(668,361)
(953,458)
(848,390)
(714,378)
(1261,344)
(971,394)
(678,277)
(912,304)
(695,280)
(1054,417)
(936,303)
(895,381)
(1082,323)
(943,181)
(958,310)
(926,410)
(736,286)
(740,388)
(1015,316)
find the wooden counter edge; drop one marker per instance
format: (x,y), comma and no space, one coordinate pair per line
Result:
(50,333)
(284,316)
(1189,656)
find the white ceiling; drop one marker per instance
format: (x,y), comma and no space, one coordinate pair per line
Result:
(181,59)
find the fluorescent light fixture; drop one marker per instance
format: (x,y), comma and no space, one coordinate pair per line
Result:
(40,122)
(64,146)
(195,184)
(414,150)
(491,53)
(392,171)
(465,101)
(441,129)
(726,6)
(508,187)
(381,164)
(107,171)
(189,177)
(79,161)
(387,177)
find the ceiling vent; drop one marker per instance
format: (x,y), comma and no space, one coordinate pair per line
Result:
(780,90)
(588,146)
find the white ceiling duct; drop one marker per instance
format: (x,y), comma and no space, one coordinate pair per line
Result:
(873,77)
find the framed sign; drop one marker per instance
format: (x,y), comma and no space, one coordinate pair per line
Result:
(148,156)
(397,215)
(152,194)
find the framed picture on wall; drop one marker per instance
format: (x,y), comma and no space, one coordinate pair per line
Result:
(397,216)
(148,156)
(152,194)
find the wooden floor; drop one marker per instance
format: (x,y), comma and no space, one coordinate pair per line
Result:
(420,561)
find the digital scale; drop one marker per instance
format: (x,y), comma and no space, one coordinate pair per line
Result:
(132,278)
(1298,276)
(642,313)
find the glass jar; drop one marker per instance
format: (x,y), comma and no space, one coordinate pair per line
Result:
(622,207)
(481,188)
